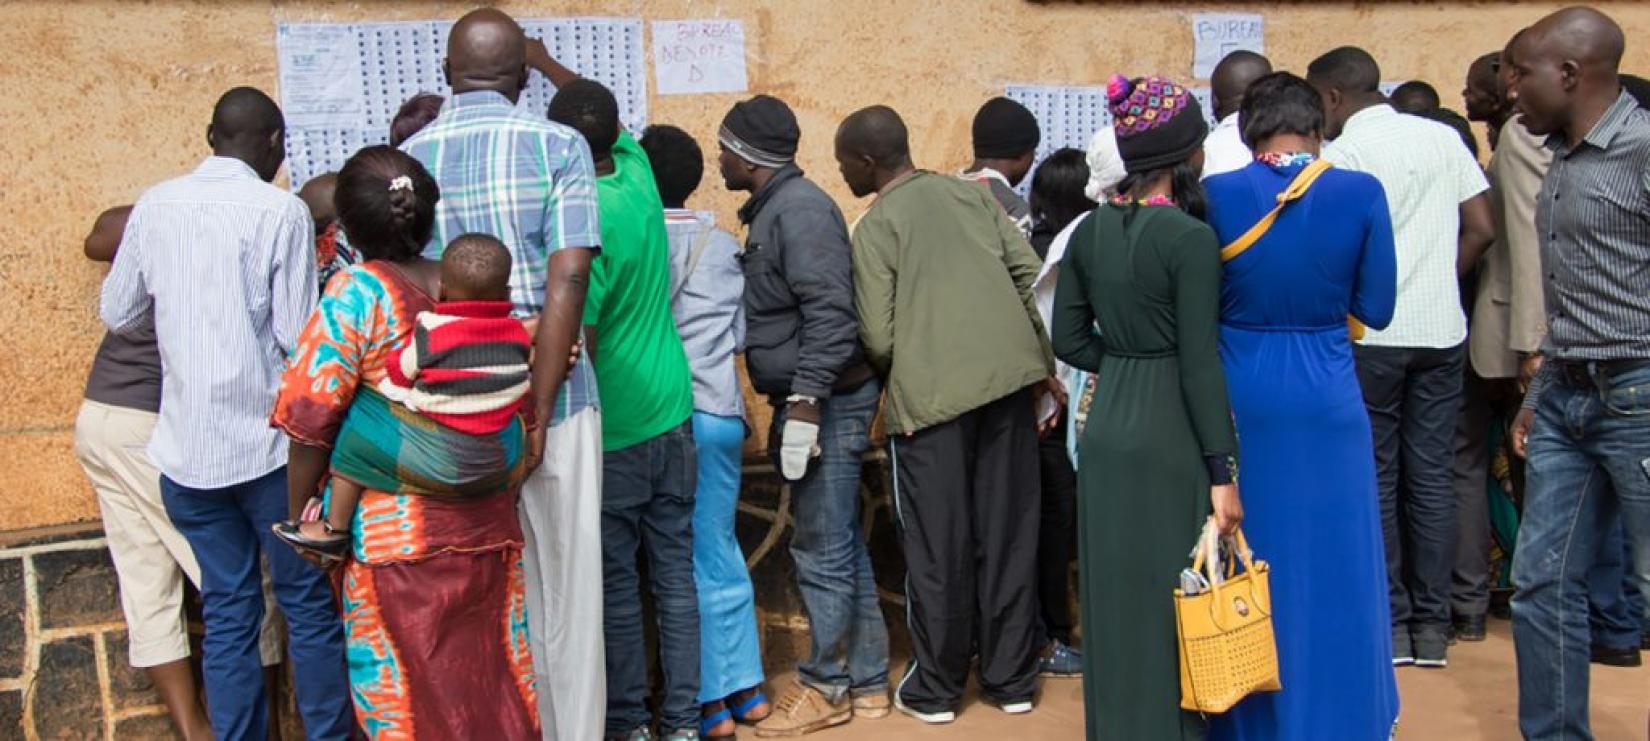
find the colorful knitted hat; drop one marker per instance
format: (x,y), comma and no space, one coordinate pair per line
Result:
(1158,122)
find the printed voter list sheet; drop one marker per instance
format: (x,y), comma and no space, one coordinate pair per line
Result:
(1217,34)
(320,66)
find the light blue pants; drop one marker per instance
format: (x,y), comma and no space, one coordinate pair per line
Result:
(729,658)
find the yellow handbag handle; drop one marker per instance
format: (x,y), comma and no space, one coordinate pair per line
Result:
(1296,189)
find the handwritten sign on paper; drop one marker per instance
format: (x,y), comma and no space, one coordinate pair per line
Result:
(320,66)
(1218,34)
(699,56)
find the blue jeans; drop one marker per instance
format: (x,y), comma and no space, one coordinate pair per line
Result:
(730,655)
(1617,617)
(647,502)
(227,528)
(1589,469)
(849,651)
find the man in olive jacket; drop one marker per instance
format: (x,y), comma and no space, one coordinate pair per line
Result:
(943,286)
(802,352)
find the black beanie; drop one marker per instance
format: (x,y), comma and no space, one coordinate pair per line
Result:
(1004,129)
(762,131)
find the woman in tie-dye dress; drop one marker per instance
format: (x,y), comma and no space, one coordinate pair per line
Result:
(433,596)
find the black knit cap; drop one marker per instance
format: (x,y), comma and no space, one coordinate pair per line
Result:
(762,131)
(1004,129)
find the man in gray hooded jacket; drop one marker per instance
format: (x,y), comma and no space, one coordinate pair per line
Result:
(802,351)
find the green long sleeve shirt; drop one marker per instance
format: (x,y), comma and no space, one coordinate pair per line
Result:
(942,284)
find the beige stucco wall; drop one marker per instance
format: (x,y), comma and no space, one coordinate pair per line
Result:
(105,97)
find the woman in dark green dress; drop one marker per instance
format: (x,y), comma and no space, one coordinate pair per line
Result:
(1138,304)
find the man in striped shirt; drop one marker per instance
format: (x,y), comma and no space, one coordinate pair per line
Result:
(222,265)
(531,183)
(1585,425)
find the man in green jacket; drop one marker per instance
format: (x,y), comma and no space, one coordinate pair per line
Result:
(942,284)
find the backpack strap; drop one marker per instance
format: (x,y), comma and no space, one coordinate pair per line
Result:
(700,242)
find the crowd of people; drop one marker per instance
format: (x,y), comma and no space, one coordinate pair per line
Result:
(471,402)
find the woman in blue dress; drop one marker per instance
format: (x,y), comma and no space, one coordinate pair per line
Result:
(1306,458)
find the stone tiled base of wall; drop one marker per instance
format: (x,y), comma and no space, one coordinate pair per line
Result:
(63,660)
(63,669)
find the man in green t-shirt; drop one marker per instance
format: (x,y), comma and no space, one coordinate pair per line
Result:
(648,459)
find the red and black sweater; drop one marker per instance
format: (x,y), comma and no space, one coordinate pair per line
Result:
(466,366)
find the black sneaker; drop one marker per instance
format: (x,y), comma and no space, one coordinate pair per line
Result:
(1627,656)
(1469,628)
(1402,653)
(1431,648)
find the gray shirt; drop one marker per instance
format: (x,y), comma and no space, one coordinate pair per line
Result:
(709,305)
(126,372)
(1593,219)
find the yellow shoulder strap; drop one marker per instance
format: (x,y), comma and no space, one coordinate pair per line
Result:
(1296,189)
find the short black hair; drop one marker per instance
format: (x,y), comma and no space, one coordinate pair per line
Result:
(381,215)
(1347,69)
(416,113)
(475,267)
(1416,96)
(590,108)
(246,111)
(1057,189)
(1280,103)
(1455,121)
(678,162)
(877,132)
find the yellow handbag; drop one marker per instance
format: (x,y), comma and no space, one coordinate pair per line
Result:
(1227,648)
(1294,191)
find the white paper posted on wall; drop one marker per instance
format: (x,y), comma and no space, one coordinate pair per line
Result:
(341,83)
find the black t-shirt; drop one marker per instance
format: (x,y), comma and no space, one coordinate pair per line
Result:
(126,372)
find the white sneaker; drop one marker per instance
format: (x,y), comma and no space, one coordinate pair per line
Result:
(1017,708)
(934,719)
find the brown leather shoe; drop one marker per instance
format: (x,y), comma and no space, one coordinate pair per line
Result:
(803,710)
(872,706)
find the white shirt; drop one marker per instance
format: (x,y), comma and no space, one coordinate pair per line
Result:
(1042,290)
(222,265)
(1224,150)
(1427,175)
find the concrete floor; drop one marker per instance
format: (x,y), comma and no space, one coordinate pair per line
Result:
(1475,698)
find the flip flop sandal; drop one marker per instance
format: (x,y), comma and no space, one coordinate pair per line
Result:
(741,714)
(333,548)
(713,720)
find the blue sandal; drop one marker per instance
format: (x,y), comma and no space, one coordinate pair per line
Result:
(713,720)
(741,714)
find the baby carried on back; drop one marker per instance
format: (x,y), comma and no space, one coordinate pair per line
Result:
(445,421)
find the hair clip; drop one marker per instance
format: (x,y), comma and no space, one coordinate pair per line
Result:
(401,182)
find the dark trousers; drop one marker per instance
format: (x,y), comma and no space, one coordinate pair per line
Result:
(1414,396)
(966,496)
(1056,539)
(1484,401)
(228,528)
(1615,612)
(647,502)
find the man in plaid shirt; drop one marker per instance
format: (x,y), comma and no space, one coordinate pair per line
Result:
(531,184)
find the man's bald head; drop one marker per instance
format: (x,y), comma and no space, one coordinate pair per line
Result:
(248,126)
(487,51)
(1566,70)
(1582,34)
(872,147)
(317,194)
(1484,94)
(1234,75)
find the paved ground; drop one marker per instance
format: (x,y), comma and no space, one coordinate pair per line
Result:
(1475,698)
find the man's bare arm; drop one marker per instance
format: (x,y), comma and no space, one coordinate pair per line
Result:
(559,325)
(104,239)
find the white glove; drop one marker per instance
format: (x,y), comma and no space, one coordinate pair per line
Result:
(798,442)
